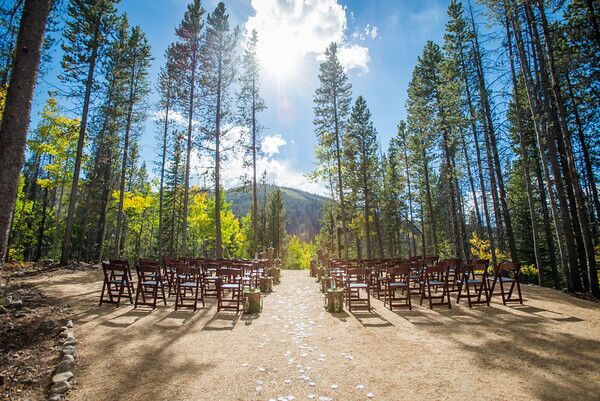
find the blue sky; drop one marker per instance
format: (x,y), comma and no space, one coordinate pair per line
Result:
(380,43)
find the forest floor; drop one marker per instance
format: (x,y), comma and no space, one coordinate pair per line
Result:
(548,348)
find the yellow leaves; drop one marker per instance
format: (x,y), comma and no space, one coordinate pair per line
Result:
(134,203)
(480,248)
(2,100)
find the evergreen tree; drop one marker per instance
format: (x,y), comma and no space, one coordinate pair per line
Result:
(250,104)
(218,73)
(332,108)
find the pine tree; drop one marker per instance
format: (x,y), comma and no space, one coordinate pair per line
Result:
(360,163)
(136,89)
(186,56)
(250,104)
(85,38)
(218,74)
(332,108)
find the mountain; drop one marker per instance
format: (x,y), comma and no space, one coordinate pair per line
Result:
(302,209)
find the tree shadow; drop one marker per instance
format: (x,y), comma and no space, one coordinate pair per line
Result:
(222,321)
(371,319)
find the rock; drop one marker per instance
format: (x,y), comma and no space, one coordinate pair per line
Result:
(10,326)
(70,342)
(55,397)
(65,365)
(48,325)
(60,387)
(70,324)
(68,358)
(62,377)
(18,304)
(67,334)
(69,350)
(63,328)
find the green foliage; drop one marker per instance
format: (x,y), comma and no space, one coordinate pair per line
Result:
(299,254)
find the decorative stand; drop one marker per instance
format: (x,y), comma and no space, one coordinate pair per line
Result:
(275,273)
(253,301)
(334,300)
(266,284)
(325,284)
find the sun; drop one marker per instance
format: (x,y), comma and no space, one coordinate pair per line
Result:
(278,57)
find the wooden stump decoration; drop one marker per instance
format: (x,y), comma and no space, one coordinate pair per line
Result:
(266,284)
(335,300)
(275,272)
(325,284)
(313,268)
(253,302)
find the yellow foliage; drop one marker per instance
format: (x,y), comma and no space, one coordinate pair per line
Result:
(480,249)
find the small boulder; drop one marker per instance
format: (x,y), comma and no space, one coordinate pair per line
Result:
(65,365)
(60,387)
(62,377)
(70,324)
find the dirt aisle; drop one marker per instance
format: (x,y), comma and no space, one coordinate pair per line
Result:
(547,349)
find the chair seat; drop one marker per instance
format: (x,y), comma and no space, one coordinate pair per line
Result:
(231,286)
(188,284)
(117,281)
(358,285)
(211,278)
(396,284)
(505,279)
(436,282)
(150,282)
(473,281)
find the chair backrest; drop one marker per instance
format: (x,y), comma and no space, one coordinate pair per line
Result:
(357,275)
(229,274)
(509,267)
(399,271)
(148,262)
(119,265)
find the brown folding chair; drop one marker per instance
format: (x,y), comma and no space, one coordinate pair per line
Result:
(189,286)
(150,281)
(474,279)
(436,278)
(398,279)
(357,279)
(210,278)
(229,289)
(507,273)
(117,279)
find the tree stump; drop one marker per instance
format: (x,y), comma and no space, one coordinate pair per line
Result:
(275,273)
(325,284)
(334,300)
(253,302)
(266,284)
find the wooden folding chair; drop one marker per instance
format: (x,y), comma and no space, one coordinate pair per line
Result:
(210,278)
(507,273)
(117,279)
(150,281)
(357,279)
(436,278)
(398,279)
(229,289)
(474,279)
(189,285)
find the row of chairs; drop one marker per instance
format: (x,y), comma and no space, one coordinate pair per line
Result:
(398,280)
(189,280)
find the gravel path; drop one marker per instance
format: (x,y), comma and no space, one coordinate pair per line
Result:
(548,348)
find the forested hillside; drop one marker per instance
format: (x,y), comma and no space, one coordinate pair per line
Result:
(302,209)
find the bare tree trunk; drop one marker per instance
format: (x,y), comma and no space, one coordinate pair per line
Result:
(218,237)
(186,183)
(430,204)
(17,110)
(254,190)
(338,155)
(162,176)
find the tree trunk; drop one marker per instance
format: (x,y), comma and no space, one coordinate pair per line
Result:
(66,246)
(582,216)
(162,176)
(219,238)
(186,183)
(17,110)
(525,158)
(254,190)
(338,155)
(430,204)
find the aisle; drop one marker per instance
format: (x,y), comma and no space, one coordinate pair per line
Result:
(295,350)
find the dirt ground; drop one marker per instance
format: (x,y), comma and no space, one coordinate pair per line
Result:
(548,348)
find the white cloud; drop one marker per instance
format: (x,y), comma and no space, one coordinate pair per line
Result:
(371,31)
(233,171)
(355,56)
(290,29)
(271,144)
